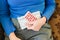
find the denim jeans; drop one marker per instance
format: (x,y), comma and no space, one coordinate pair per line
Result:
(43,34)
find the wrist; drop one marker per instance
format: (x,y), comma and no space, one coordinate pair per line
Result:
(44,18)
(12,35)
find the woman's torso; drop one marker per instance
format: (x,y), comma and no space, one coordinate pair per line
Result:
(20,7)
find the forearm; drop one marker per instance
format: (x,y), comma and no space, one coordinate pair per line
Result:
(49,9)
(7,24)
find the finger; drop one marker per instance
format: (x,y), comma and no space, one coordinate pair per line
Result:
(28,25)
(30,28)
(36,30)
(30,22)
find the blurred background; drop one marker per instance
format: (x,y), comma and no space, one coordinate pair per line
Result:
(55,22)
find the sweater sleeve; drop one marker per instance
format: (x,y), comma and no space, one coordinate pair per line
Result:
(5,18)
(49,8)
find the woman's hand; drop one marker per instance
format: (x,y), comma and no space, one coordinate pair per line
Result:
(36,25)
(13,37)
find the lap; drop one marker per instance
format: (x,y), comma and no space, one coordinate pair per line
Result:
(40,37)
(43,34)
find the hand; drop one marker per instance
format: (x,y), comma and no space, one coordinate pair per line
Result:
(13,37)
(36,25)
